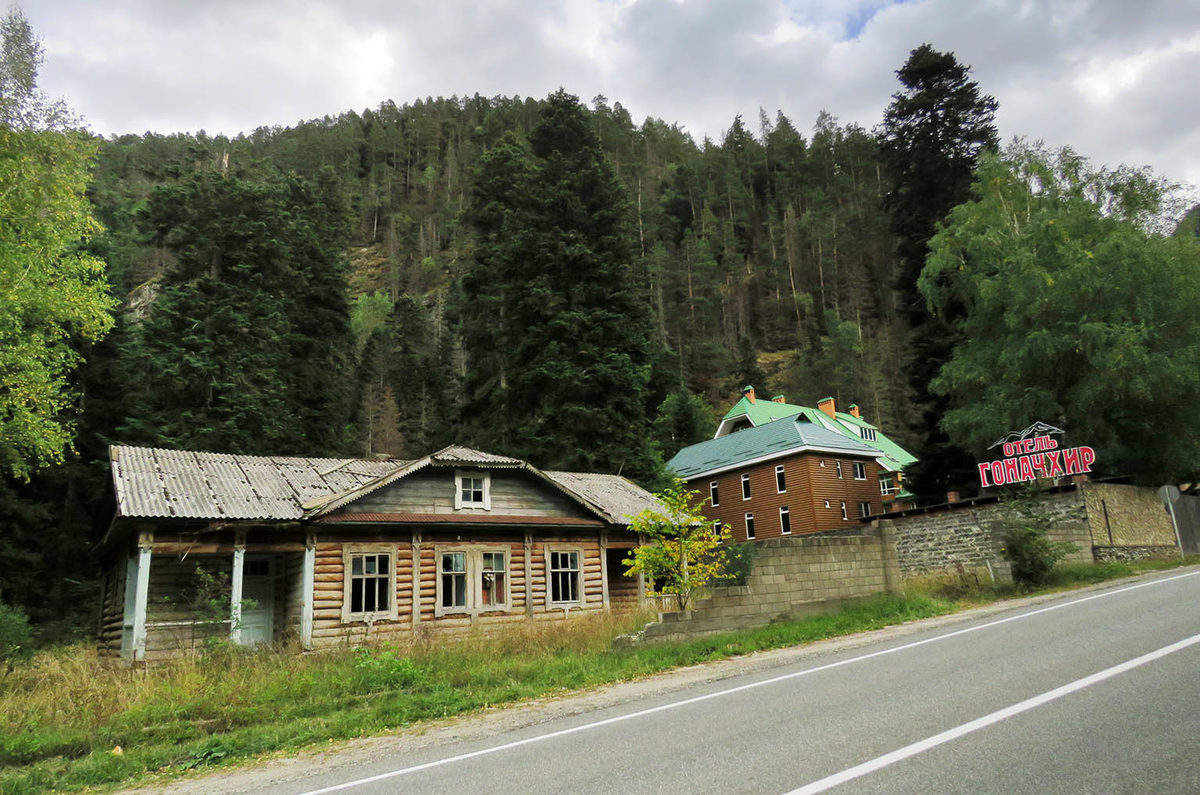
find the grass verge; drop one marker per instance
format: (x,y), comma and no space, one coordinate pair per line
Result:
(65,712)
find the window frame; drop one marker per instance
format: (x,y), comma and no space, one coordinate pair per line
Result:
(845,516)
(780,480)
(827,504)
(474,474)
(473,569)
(891,480)
(839,469)
(714,494)
(547,554)
(785,521)
(745,486)
(351,551)
(749,519)
(864,504)
(859,466)
(869,434)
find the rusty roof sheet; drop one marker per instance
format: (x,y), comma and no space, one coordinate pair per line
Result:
(618,498)
(185,484)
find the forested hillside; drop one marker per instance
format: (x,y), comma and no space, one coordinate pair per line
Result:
(550,280)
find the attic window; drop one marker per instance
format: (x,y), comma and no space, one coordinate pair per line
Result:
(472,489)
(868,434)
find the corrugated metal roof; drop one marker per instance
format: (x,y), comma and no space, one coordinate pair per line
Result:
(617,497)
(185,484)
(457,454)
(769,439)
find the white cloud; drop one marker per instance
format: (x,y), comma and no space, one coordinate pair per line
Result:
(1106,76)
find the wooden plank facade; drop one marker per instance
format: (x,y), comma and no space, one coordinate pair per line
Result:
(412,556)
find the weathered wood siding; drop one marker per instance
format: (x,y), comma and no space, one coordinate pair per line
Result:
(432,491)
(172,622)
(112,609)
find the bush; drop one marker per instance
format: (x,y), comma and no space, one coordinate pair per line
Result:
(739,562)
(16,641)
(1026,546)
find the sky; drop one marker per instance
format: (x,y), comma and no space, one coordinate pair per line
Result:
(1114,79)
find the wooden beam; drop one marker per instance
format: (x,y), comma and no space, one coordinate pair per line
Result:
(235,596)
(528,574)
(306,607)
(207,548)
(641,577)
(142,595)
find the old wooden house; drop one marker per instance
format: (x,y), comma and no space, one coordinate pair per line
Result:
(336,551)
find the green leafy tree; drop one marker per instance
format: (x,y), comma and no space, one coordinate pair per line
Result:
(1072,309)
(1027,546)
(53,295)
(932,135)
(684,553)
(683,419)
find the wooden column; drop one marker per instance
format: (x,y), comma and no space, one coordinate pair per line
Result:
(306,607)
(141,595)
(529,574)
(641,577)
(604,565)
(416,577)
(235,596)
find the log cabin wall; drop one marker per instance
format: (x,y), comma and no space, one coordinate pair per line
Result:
(112,608)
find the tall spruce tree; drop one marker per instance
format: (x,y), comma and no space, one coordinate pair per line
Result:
(245,348)
(932,135)
(558,334)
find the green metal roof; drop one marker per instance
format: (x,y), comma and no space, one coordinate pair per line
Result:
(761,412)
(763,441)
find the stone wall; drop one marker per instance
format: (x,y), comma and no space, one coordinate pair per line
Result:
(1127,516)
(969,535)
(1105,554)
(790,578)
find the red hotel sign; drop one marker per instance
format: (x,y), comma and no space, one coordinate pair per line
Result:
(1029,457)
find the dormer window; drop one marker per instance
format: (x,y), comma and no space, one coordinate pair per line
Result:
(868,434)
(472,489)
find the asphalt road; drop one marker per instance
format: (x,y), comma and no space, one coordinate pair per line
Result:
(1090,693)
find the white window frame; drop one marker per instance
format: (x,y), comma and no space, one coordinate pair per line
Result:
(839,469)
(548,556)
(750,535)
(476,474)
(890,478)
(827,504)
(745,486)
(473,569)
(780,480)
(822,463)
(860,470)
(869,434)
(351,551)
(845,518)
(714,494)
(716,529)
(864,509)
(785,529)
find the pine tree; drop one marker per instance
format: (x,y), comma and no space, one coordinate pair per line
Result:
(932,135)
(562,378)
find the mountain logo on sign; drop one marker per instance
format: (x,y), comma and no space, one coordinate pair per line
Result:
(1037,429)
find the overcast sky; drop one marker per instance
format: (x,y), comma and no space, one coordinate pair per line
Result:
(1113,78)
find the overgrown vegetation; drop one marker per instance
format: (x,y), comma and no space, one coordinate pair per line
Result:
(64,712)
(1027,547)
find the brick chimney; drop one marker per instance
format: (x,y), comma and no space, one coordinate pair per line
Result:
(748,393)
(778,399)
(828,406)
(854,412)
(953,496)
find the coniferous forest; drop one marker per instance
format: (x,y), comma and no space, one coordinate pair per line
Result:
(544,278)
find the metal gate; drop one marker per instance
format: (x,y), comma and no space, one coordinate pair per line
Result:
(1187,515)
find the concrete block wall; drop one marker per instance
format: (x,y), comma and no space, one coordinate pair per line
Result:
(1127,516)
(790,577)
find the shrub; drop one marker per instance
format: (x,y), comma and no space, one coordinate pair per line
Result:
(16,641)
(739,562)
(1032,555)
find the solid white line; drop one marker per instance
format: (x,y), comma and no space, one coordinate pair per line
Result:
(987,720)
(696,699)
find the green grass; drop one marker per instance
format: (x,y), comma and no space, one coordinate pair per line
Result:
(65,711)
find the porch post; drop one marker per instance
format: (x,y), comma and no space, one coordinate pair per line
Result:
(416,577)
(235,596)
(309,574)
(641,577)
(604,564)
(141,595)
(528,574)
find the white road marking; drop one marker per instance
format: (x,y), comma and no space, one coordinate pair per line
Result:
(697,699)
(829,782)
